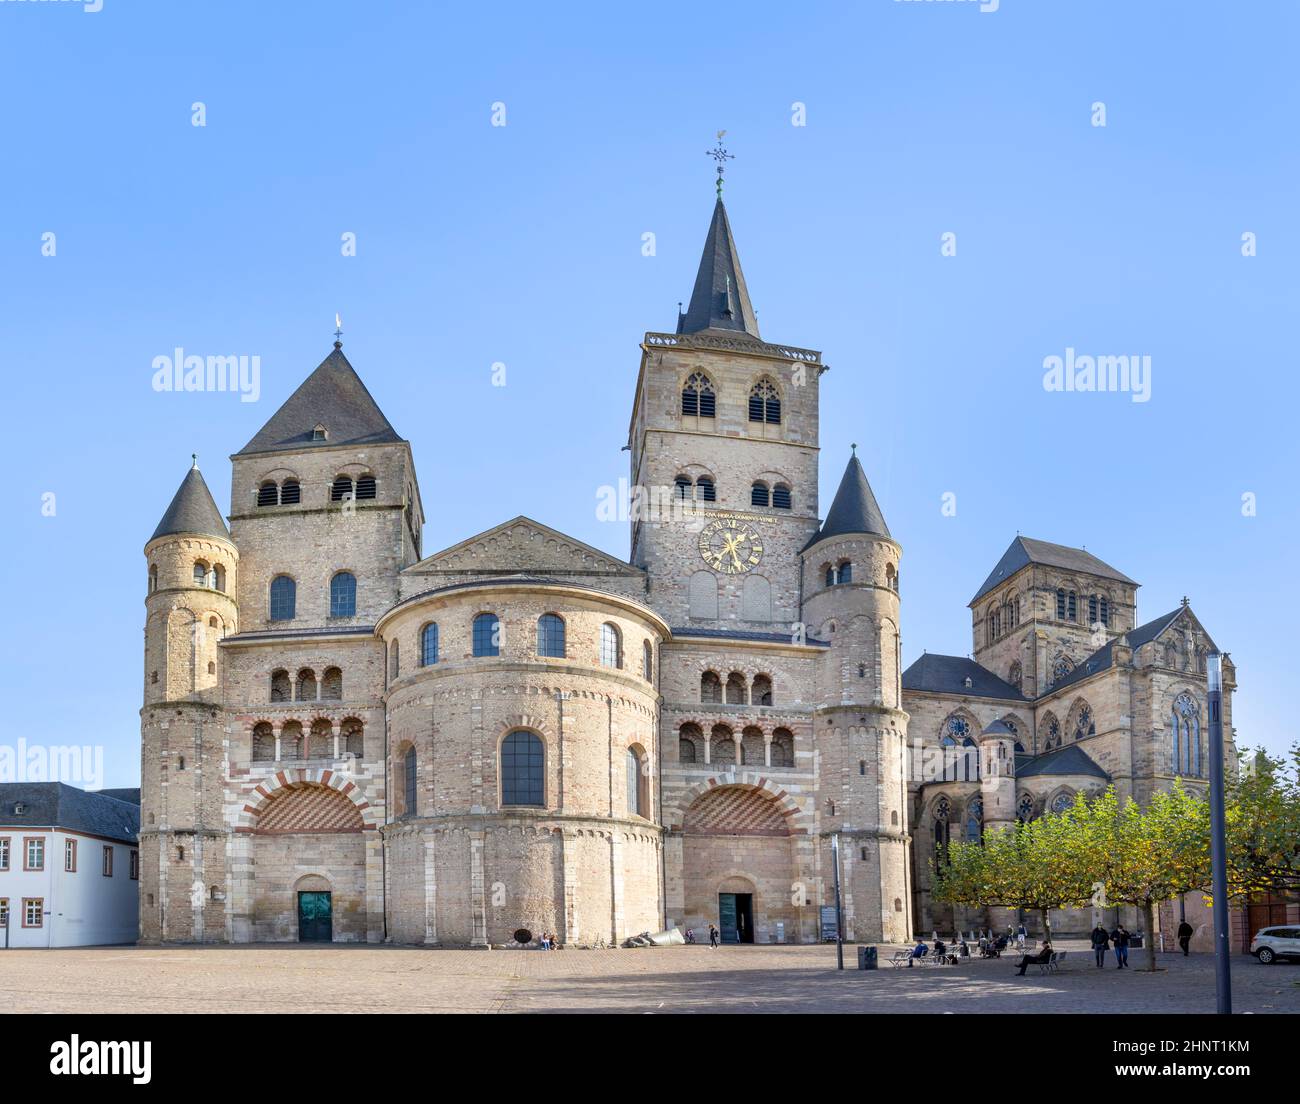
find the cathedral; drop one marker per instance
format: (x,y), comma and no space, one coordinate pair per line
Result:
(347,739)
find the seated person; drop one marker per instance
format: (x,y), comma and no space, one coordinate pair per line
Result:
(963,949)
(919,951)
(1044,955)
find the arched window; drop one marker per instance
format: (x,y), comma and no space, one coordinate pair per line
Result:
(703,589)
(765,402)
(429,644)
(281,687)
(751,747)
(343,595)
(408,782)
(705,490)
(290,493)
(891,577)
(647,662)
(320,743)
(523,760)
(1072,607)
(268,494)
(284,594)
(1025,809)
(1061,667)
(263,743)
(781,498)
(306,684)
(683,485)
(1060,603)
(1016,675)
(782,748)
(1092,609)
(353,737)
(394,661)
(845,572)
(762,690)
(487,635)
(970,754)
(722,746)
(638,788)
(758,495)
(219,577)
(975,820)
(689,741)
(1083,723)
(292,745)
(1186,727)
(1061,803)
(737,691)
(550,636)
(1053,737)
(331,685)
(366,486)
(200,574)
(611,646)
(698,400)
(710,687)
(341,489)
(942,813)
(153,578)
(1104,612)
(830,575)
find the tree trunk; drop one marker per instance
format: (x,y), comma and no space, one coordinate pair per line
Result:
(1047,927)
(1149,915)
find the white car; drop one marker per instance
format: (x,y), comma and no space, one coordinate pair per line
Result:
(1270,944)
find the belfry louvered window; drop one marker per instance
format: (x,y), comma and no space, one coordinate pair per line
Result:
(365,486)
(765,402)
(758,495)
(698,400)
(340,488)
(290,493)
(268,494)
(706,492)
(781,497)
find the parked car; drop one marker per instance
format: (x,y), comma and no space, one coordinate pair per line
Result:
(1270,944)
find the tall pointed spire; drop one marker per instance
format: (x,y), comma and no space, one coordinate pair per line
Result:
(192,510)
(720,300)
(855,509)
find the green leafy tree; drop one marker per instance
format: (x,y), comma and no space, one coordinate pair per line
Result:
(1262,819)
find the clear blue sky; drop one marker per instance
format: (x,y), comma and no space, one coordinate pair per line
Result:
(522,244)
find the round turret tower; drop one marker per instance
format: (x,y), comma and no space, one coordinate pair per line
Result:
(851,604)
(189,608)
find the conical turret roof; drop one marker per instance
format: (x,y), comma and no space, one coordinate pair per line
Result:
(720,300)
(192,510)
(854,509)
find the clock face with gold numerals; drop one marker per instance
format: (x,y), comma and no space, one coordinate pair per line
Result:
(731,546)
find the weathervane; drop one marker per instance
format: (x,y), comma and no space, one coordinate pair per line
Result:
(338,331)
(721,156)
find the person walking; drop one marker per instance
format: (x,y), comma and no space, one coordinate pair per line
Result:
(1119,939)
(1185,937)
(1021,935)
(1100,941)
(713,937)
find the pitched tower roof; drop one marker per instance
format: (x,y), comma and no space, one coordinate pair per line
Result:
(855,509)
(192,510)
(720,300)
(333,398)
(1025,550)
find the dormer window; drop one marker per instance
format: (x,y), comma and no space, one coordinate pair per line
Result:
(320,433)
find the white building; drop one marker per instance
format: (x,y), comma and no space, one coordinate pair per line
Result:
(69,865)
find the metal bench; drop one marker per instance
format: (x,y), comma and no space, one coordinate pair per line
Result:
(1053,964)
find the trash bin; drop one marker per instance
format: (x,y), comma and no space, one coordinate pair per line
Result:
(1135,941)
(867,958)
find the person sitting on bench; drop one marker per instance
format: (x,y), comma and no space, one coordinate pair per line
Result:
(919,951)
(1044,955)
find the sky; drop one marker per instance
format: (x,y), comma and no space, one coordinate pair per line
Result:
(862,133)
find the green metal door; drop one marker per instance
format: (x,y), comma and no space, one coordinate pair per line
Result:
(315,918)
(727,918)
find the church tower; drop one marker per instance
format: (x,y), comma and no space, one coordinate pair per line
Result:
(724,457)
(850,587)
(189,608)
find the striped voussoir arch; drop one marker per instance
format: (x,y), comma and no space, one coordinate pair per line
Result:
(260,804)
(747,782)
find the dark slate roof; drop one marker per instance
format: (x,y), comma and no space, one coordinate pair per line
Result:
(192,510)
(735,634)
(253,636)
(999,728)
(945,674)
(131,796)
(720,300)
(332,396)
(1025,550)
(1070,759)
(58,805)
(854,510)
(1104,657)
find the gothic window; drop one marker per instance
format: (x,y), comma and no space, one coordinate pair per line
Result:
(737,691)
(611,646)
(268,494)
(487,635)
(429,644)
(762,690)
(844,574)
(782,748)
(1016,675)
(343,595)
(1186,723)
(1061,803)
(331,685)
(698,400)
(948,766)
(1061,668)
(758,495)
(942,813)
(1053,739)
(970,754)
(975,821)
(523,758)
(705,490)
(710,687)
(366,486)
(550,636)
(781,498)
(1084,725)
(284,592)
(765,402)
(290,493)
(1025,809)
(958,727)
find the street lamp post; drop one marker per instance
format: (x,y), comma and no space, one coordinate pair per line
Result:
(839,907)
(1218,839)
